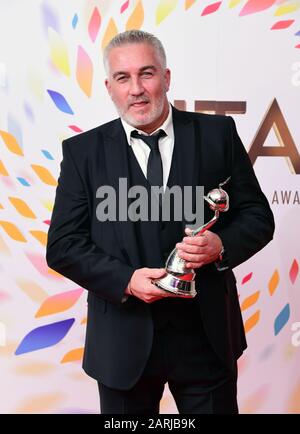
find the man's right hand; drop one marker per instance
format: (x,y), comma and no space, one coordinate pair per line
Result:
(141,285)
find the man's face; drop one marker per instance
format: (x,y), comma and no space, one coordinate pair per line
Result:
(138,84)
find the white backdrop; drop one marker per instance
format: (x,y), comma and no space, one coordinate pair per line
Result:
(51,86)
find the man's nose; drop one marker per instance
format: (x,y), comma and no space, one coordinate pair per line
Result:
(136,87)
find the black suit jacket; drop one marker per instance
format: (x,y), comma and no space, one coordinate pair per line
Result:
(102,256)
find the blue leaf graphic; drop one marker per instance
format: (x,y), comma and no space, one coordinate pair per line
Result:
(281,319)
(47,154)
(23,181)
(75,21)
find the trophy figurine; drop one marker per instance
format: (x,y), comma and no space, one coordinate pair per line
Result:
(179,279)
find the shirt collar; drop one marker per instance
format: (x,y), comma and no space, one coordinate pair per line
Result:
(167,126)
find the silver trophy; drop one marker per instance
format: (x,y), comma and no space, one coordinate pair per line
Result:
(179,279)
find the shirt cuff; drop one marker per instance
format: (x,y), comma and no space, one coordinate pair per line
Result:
(222,263)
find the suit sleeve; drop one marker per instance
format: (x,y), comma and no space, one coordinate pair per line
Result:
(70,250)
(251,223)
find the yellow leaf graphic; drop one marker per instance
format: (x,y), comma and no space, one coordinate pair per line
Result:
(136,19)
(234,3)
(3,170)
(12,231)
(59,52)
(48,205)
(44,174)
(164,8)
(249,301)
(41,236)
(189,3)
(32,290)
(22,207)
(287,9)
(55,273)
(73,356)
(273,283)
(11,143)
(110,32)
(252,321)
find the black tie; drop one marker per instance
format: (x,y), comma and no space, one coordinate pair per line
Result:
(154,166)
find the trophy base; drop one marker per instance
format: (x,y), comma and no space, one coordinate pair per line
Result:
(170,283)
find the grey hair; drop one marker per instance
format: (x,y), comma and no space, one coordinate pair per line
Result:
(135,37)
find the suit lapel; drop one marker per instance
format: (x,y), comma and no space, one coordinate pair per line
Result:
(116,159)
(186,152)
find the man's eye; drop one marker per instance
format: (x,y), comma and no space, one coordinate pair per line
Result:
(121,78)
(147,74)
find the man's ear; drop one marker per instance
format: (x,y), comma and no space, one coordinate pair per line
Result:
(167,78)
(107,85)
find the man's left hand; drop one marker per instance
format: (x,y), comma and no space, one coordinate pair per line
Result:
(199,250)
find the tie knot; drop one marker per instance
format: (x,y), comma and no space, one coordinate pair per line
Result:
(152,141)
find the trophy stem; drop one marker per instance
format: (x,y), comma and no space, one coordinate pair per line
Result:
(207,225)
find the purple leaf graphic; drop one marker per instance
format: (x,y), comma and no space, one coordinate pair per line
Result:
(60,101)
(45,336)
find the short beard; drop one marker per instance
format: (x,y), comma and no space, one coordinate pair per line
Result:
(150,117)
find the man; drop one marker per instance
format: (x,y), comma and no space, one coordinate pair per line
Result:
(138,336)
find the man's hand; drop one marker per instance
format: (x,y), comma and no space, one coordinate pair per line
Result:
(141,287)
(199,250)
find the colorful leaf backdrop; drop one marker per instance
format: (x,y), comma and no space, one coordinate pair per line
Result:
(51,87)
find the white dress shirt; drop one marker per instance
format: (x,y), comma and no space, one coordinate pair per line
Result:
(142,151)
